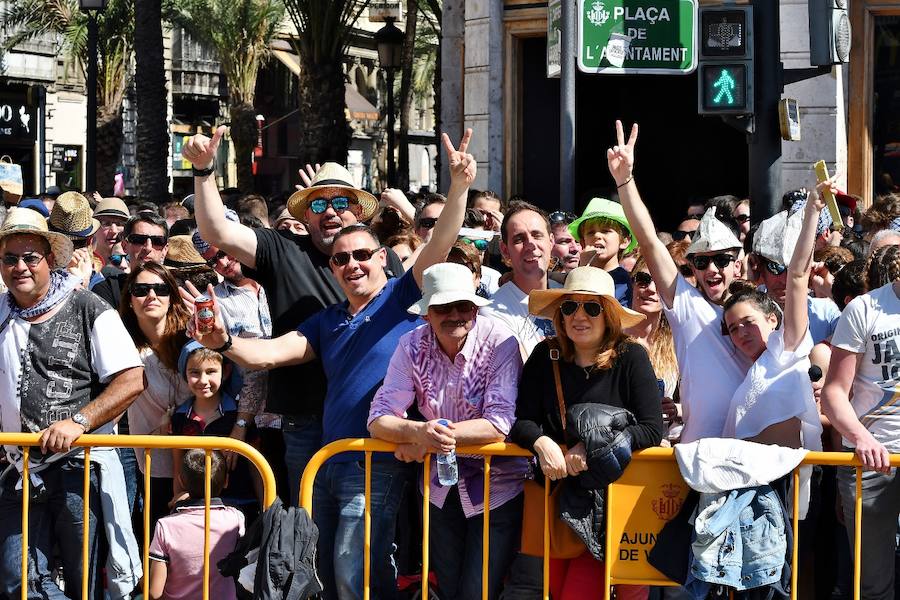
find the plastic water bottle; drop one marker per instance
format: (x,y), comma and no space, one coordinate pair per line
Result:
(448,473)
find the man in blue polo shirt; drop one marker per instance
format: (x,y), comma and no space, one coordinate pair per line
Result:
(355,341)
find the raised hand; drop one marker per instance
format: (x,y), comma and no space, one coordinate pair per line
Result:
(463,166)
(306,175)
(816,199)
(200,151)
(620,158)
(219,334)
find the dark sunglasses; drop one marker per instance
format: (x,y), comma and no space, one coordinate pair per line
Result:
(775,268)
(741,218)
(140,290)
(679,235)
(701,263)
(30,260)
(79,243)
(591,307)
(338,203)
(427,222)
(211,261)
(139,239)
(117,259)
(641,278)
(559,217)
(360,255)
(463,307)
(480,245)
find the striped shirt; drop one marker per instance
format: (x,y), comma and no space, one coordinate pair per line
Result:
(480,383)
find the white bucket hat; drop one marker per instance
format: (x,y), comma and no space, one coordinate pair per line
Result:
(713,235)
(445,283)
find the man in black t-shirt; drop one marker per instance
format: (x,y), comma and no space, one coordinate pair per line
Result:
(298,281)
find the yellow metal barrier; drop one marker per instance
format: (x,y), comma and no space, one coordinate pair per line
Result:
(149,442)
(638,505)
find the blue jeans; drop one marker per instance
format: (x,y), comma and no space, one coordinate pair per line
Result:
(456,544)
(302,439)
(132,476)
(54,518)
(338,507)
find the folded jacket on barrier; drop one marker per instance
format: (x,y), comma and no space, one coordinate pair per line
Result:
(737,531)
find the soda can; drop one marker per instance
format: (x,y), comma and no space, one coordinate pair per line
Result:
(206,317)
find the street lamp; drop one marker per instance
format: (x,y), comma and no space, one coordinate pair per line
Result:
(390,52)
(91,7)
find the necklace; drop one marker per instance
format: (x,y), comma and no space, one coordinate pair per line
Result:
(587,371)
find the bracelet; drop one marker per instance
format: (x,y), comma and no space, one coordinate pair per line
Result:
(626,182)
(204,172)
(226,346)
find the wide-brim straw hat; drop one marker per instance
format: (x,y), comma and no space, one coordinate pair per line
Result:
(72,216)
(331,175)
(582,280)
(182,254)
(601,208)
(446,283)
(28,222)
(112,207)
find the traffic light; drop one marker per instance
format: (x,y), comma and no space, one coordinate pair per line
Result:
(829,32)
(725,62)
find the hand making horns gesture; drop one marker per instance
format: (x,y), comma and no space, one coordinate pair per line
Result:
(620,157)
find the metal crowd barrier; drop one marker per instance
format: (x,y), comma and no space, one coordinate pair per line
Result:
(638,505)
(150,442)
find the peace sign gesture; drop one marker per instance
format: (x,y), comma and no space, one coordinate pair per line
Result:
(200,151)
(620,157)
(463,166)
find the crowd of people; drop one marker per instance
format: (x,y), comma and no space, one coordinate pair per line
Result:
(434,322)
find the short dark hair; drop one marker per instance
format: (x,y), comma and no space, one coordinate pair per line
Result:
(193,473)
(473,218)
(145,217)
(849,281)
(427,200)
(489,194)
(517,207)
(356,228)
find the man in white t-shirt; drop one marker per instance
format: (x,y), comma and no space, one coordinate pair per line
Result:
(865,364)
(711,368)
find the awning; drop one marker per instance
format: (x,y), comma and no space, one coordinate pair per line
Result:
(357,105)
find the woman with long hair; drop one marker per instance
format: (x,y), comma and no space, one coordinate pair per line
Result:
(156,318)
(598,365)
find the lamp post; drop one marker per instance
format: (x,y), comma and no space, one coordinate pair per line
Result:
(90,172)
(390,51)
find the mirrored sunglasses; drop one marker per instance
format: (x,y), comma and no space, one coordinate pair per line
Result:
(775,268)
(338,203)
(560,217)
(480,244)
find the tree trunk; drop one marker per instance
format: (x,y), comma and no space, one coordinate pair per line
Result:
(324,131)
(152,132)
(109,147)
(243,136)
(438,156)
(406,96)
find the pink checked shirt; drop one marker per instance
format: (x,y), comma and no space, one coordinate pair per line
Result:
(481,383)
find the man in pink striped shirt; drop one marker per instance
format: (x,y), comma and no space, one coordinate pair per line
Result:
(463,368)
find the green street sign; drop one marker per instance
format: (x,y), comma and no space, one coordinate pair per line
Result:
(637,36)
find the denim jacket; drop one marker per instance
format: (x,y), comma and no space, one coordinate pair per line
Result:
(739,540)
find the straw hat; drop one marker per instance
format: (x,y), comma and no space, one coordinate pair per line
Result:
(713,235)
(445,283)
(27,221)
(182,254)
(331,175)
(282,216)
(581,280)
(112,207)
(72,215)
(601,208)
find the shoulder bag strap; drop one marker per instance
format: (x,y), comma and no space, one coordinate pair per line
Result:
(554,359)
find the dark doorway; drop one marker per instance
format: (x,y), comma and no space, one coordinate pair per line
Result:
(680,155)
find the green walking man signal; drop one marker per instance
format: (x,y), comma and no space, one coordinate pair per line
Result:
(726,84)
(725,69)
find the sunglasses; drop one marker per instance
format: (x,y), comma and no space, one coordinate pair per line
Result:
(117,259)
(741,218)
(427,222)
(559,217)
(79,243)
(701,263)
(211,261)
(140,290)
(641,279)
(463,307)
(360,255)
(30,260)
(139,239)
(592,308)
(775,268)
(338,203)
(480,245)
(679,235)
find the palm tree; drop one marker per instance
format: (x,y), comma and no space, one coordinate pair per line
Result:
(27,19)
(406,95)
(152,131)
(240,31)
(324,31)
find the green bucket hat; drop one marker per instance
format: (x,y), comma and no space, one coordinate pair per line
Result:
(601,208)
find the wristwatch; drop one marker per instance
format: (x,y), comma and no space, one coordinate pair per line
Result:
(242,423)
(82,420)
(226,346)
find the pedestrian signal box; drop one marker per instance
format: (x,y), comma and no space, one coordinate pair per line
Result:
(725,69)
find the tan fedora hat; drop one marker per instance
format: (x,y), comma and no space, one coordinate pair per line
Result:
(112,207)
(331,175)
(581,280)
(30,222)
(183,255)
(72,215)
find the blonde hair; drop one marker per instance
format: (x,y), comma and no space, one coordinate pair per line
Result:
(613,337)
(660,344)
